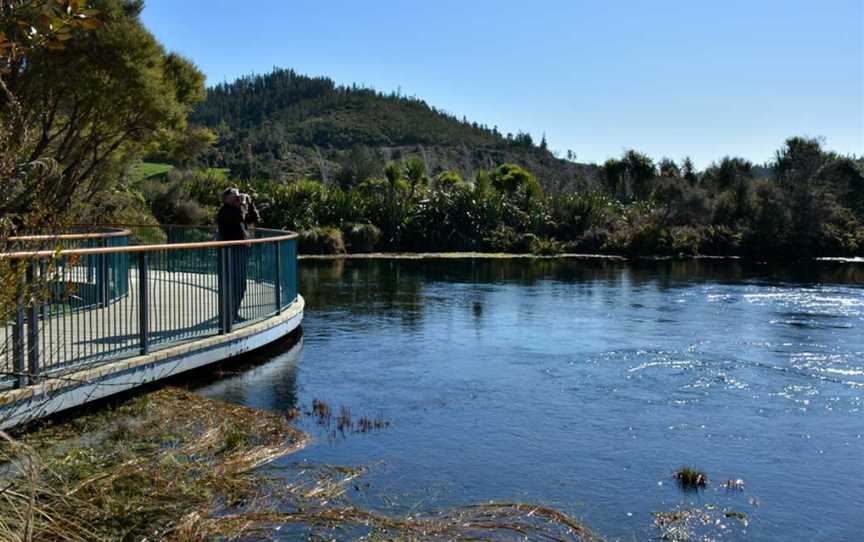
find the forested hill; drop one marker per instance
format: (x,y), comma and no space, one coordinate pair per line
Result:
(288,125)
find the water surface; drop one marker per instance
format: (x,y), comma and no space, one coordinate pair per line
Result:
(584,384)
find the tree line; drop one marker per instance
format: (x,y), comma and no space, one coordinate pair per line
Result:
(808,202)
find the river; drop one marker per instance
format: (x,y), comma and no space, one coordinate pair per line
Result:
(584,385)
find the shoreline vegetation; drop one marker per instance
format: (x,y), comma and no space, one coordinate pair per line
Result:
(172,465)
(808,203)
(530,256)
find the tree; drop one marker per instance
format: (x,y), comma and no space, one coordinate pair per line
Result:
(97,103)
(688,171)
(630,177)
(29,28)
(393,174)
(669,169)
(357,165)
(798,161)
(508,178)
(415,172)
(728,174)
(447,180)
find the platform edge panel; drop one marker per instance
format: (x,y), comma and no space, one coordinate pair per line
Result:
(33,402)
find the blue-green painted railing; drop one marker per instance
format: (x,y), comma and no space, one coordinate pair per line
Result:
(111,297)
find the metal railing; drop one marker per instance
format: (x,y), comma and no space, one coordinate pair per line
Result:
(97,297)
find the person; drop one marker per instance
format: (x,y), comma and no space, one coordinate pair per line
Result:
(234,217)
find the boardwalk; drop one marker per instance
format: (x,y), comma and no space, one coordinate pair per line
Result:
(114,311)
(183,305)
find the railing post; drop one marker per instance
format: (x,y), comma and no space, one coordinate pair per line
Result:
(277,285)
(102,275)
(18,335)
(32,328)
(229,289)
(143,305)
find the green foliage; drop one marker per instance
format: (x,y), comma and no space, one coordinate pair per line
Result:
(506,211)
(415,173)
(630,177)
(448,180)
(90,107)
(321,241)
(361,237)
(504,239)
(149,170)
(284,125)
(509,178)
(545,246)
(296,206)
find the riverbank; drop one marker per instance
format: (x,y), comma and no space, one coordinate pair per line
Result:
(455,256)
(562,256)
(172,465)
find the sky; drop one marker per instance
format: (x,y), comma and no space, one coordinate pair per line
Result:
(666,77)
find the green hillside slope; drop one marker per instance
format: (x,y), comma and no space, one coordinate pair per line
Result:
(285,125)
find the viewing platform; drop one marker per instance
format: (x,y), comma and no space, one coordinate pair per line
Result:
(104,311)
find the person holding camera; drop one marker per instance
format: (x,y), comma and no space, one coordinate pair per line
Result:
(235,215)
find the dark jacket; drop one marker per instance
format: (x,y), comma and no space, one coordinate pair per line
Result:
(232,222)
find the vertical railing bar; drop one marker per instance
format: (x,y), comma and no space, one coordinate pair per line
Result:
(277,284)
(143,305)
(18,334)
(220,290)
(32,326)
(229,289)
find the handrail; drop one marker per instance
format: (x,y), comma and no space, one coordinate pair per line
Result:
(107,302)
(147,248)
(72,236)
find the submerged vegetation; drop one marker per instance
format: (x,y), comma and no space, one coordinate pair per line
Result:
(690,479)
(172,465)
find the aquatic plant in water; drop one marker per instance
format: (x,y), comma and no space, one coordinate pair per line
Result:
(690,479)
(175,466)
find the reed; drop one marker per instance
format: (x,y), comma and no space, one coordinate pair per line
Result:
(175,466)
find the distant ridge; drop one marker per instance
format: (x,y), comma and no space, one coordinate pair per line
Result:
(287,125)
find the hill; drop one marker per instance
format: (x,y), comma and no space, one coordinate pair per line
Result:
(287,125)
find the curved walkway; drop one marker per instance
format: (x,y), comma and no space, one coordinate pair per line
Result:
(120,316)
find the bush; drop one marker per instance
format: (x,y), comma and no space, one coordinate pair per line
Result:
(721,241)
(321,241)
(545,246)
(686,240)
(503,239)
(593,240)
(362,237)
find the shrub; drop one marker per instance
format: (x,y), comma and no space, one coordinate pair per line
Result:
(297,205)
(721,240)
(593,240)
(362,237)
(447,180)
(686,240)
(321,241)
(545,246)
(503,239)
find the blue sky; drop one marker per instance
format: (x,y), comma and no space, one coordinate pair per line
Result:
(669,78)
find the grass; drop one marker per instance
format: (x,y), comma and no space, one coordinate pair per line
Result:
(149,170)
(175,466)
(153,170)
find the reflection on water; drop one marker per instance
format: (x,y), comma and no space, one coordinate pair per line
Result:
(584,384)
